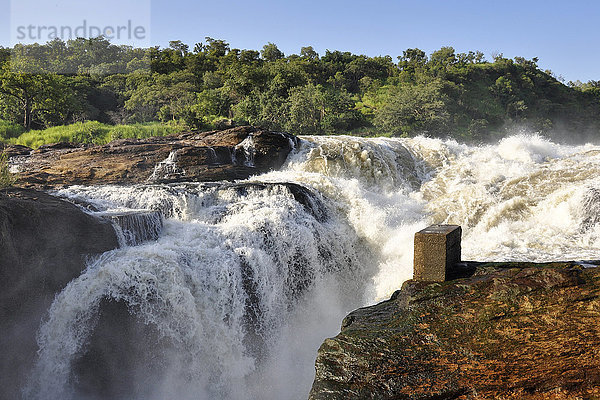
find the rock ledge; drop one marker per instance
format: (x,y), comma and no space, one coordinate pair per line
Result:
(509,331)
(231,154)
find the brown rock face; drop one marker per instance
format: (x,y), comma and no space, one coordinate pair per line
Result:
(44,243)
(510,331)
(231,154)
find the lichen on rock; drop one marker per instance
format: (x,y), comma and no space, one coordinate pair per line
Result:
(511,330)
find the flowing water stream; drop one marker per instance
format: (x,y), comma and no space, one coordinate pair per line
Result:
(246,279)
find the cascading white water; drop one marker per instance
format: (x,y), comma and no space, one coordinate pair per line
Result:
(221,283)
(166,169)
(246,147)
(247,279)
(134,228)
(524,198)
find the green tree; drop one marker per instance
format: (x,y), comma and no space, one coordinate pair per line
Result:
(412,60)
(159,96)
(270,52)
(209,106)
(215,47)
(413,109)
(267,109)
(307,110)
(442,59)
(36,98)
(315,109)
(308,53)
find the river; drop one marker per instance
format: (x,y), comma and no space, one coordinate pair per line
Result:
(246,279)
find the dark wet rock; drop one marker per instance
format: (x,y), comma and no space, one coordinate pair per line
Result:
(44,244)
(510,330)
(12,150)
(59,146)
(230,154)
(311,201)
(125,358)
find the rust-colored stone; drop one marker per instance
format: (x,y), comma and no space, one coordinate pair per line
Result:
(510,331)
(204,156)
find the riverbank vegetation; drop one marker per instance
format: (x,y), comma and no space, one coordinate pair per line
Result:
(6,177)
(94,132)
(88,90)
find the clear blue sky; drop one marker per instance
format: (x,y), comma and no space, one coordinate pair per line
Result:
(564,34)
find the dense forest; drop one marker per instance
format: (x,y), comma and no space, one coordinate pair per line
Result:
(101,90)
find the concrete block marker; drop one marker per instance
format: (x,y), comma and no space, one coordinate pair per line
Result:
(437,250)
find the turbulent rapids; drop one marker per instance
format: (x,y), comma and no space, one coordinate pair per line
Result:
(231,287)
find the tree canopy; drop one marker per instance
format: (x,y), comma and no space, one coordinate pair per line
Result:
(444,93)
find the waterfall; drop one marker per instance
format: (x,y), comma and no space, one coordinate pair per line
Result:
(243,281)
(134,227)
(167,168)
(246,148)
(225,277)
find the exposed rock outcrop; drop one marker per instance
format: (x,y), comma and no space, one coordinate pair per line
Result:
(44,244)
(231,154)
(510,331)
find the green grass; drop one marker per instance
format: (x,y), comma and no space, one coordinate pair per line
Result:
(93,132)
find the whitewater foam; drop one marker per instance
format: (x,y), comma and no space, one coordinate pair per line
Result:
(246,279)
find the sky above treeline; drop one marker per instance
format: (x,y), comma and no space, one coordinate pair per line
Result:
(564,35)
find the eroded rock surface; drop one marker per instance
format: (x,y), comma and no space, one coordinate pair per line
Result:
(231,154)
(510,331)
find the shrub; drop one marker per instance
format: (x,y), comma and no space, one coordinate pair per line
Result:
(9,130)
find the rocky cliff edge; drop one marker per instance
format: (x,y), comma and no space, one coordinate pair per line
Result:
(508,331)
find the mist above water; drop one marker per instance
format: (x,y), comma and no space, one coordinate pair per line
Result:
(246,280)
